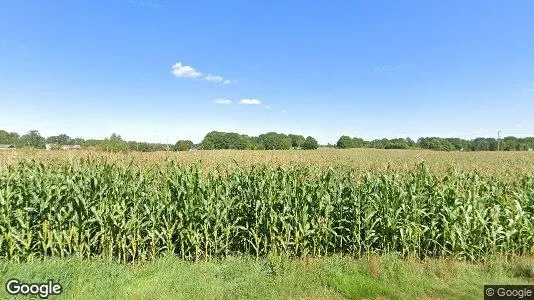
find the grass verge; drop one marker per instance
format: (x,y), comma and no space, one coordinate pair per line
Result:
(374,277)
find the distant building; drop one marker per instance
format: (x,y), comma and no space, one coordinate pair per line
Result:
(7,147)
(71,147)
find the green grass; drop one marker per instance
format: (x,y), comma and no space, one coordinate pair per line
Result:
(373,277)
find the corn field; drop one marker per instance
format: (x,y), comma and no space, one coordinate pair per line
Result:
(122,212)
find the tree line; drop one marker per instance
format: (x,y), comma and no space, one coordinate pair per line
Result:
(268,141)
(509,143)
(213,140)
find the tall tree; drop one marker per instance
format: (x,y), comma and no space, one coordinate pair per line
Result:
(114,144)
(296,140)
(344,142)
(183,145)
(310,143)
(33,139)
(61,139)
(8,138)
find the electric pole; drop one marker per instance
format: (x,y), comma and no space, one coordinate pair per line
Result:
(498,141)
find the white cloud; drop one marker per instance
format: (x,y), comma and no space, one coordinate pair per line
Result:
(283,111)
(267,106)
(180,70)
(146,3)
(214,78)
(392,68)
(527,90)
(247,101)
(222,101)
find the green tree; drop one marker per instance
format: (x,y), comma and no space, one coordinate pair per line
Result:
(33,139)
(296,140)
(358,142)
(273,140)
(183,145)
(207,145)
(410,142)
(8,138)
(344,142)
(61,139)
(114,144)
(310,143)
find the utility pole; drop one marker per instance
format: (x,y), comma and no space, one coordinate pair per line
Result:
(498,141)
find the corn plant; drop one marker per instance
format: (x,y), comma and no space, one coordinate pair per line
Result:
(102,209)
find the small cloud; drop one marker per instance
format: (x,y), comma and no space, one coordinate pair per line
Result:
(519,125)
(214,78)
(391,68)
(247,101)
(528,90)
(267,106)
(180,70)
(283,111)
(146,3)
(222,101)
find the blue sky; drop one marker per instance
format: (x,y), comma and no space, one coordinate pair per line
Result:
(322,68)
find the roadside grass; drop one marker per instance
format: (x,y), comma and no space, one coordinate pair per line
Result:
(275,277)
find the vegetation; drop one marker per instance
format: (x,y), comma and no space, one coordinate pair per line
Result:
(271,141)
(503,165)
(329,224)
(310,143)
(373,277)
(125,213)
(183,145)
(442,144)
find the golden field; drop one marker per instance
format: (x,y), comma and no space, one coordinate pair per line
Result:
(362,160)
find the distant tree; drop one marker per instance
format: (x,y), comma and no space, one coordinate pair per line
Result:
(410,142)
(510,143)
(344,142)
(227,140)
(310,143)
(33,139)
(396,144)
(61,139)
(273,140)
(183,145)
(358,142)
(207,145)
(296,140)
(114,144)
(480,144)
(8,138)
(447,146)
(78,141)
